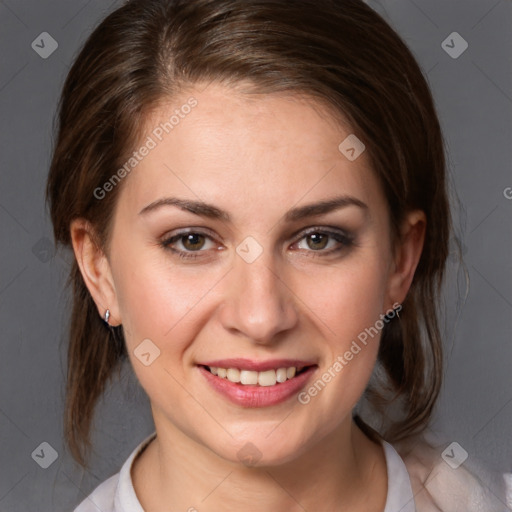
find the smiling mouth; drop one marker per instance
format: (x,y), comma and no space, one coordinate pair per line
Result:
(253,378)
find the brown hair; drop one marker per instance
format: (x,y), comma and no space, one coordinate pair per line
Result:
(339,52)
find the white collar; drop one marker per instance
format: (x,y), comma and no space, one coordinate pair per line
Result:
(400,497)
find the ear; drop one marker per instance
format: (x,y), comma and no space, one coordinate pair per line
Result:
(407,255)
(95,269)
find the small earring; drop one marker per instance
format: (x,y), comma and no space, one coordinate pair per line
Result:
(107,316)
(398,311)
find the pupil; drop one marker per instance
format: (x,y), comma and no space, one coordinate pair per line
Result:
(192,239)
(318,238)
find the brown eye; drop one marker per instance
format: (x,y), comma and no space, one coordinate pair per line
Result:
(193,241)
(318,241)
(189,244)
(323,242)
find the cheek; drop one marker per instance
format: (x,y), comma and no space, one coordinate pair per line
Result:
(348,299)
(349,305)
(157,303)
(163,303)
(153,297)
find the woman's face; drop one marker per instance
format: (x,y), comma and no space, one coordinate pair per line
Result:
(256,277)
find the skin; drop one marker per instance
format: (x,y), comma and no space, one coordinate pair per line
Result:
(255,157)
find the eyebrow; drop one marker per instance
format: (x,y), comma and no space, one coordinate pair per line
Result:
(208,210)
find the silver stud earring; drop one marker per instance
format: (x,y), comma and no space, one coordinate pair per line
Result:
(107,316)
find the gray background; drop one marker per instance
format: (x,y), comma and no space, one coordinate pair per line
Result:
(474,98)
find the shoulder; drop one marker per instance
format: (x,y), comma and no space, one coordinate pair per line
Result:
(102,498)
(445,479)
(116,494)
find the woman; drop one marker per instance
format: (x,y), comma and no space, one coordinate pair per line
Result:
(254,192)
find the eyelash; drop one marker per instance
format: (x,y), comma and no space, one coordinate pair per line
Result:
(345,239)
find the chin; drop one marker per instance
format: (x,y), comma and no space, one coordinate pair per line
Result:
(261,450)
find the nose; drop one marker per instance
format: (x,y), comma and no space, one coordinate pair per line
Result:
(257,303)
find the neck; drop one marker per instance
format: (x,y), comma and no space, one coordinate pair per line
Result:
(175,472)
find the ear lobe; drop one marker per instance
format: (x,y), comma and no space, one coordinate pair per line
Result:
(95,269)
(407,255)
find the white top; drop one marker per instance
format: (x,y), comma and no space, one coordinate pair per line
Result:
(117,494)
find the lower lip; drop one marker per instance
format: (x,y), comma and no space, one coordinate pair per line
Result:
(257,396)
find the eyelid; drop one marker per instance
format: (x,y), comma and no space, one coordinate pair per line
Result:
(191,229)
(322,229)
(303,232)
(341,236)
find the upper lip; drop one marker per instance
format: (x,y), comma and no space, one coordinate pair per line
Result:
(257,366)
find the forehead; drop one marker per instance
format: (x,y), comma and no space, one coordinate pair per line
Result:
(238,149)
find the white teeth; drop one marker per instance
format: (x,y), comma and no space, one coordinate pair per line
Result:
(233,374)
(290,372)
(281,375)
(251,378)
(248,377)
(267,378)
